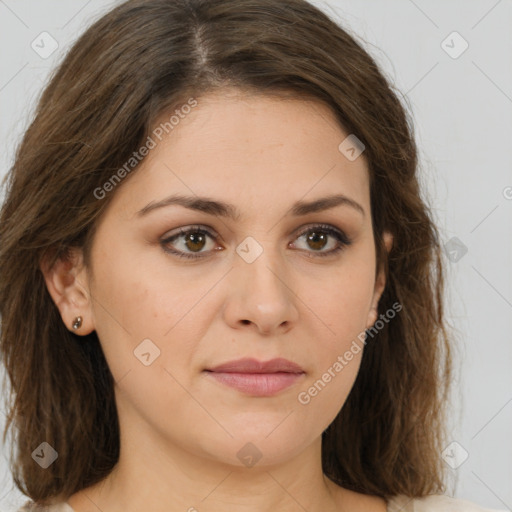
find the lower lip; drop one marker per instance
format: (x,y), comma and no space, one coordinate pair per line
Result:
(258,384)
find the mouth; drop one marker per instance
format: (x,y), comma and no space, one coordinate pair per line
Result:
(257,378)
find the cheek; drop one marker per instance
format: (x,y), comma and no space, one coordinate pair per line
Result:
(126,288)
(341,299)
(135,301)
(339,312)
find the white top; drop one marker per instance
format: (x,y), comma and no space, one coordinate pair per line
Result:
(434,502)
(431,503)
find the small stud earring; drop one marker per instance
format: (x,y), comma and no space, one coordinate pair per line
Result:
(77,322)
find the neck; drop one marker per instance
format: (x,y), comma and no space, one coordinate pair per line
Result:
(150,478)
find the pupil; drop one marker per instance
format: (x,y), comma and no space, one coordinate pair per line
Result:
(195,238)
(316,238)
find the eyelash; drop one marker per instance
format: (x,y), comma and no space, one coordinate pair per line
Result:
(343,240)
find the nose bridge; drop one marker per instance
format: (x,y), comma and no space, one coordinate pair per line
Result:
(260,289)
(261,268)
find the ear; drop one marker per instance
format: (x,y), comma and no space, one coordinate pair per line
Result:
(380,283)
(67,284)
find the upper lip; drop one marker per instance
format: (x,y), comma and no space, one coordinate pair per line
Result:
(250,365)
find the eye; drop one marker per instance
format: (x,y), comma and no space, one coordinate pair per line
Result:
(194,239)
(317,237)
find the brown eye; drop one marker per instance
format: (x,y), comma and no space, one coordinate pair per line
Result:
(195,241)
(188,242)
(317,238)
(192,243)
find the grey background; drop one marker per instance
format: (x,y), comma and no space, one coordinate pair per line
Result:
(463,112)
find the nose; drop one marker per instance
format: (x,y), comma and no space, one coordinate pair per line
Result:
(261,297)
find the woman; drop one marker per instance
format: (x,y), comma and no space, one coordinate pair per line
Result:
(220,287)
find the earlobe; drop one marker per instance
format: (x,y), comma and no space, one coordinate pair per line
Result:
(66,281)
(388,240)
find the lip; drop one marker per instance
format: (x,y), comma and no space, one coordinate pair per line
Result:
(257,378)
(251,365)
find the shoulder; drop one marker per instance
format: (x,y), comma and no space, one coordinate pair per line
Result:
(30,506)
(434,503)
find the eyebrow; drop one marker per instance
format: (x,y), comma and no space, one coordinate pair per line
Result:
(221,209)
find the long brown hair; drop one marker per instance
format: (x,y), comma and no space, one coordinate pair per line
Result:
(145,58)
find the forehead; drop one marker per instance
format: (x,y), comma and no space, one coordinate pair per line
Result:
(252,151)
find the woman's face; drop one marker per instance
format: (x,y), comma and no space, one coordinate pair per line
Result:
(272,281)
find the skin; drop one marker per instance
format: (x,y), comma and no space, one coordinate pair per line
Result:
(180,429)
